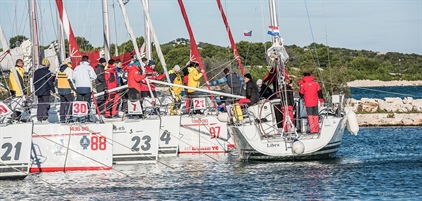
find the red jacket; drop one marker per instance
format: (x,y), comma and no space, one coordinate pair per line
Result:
(134,78)
(152,75)
(310,91)
(111,78)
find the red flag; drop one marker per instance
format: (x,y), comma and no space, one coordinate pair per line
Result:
(74,53)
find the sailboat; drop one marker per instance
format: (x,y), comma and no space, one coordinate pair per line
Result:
(261,134)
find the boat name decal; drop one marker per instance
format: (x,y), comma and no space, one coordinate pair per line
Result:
(205,121)
(273,145)
(79,128)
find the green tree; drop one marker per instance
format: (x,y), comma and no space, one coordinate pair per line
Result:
(16,41)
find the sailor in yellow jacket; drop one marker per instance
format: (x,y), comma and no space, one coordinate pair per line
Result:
(13,83)
(176,78)
(194,77)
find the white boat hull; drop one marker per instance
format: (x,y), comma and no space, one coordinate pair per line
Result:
(252,145)
(71,147)
(15,150)
(203,134)
(135,141)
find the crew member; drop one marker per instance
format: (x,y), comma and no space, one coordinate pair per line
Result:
(135,76)
(65,87)
(311,92)
(43,84)
(176,78)
(193,81)
(100,83)
(112,101)
(151,74)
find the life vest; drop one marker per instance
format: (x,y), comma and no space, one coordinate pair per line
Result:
(63,80)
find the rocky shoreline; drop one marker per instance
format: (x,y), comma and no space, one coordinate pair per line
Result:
(387,112)
(379,83)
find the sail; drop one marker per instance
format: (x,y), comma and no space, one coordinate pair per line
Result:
(131,34)
(74,52)
(155,38)
(233,45)
(6,53)
(195,56)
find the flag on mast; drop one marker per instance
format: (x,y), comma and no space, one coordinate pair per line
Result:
(247,33)
(273,31)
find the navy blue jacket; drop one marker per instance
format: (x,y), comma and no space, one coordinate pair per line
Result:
(43,81)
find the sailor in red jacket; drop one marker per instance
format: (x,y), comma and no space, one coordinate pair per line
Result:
(134,78)
(112,101)
(311,92)
(151,74)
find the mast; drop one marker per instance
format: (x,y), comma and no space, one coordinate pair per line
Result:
(148,31)
(195,56)
(131,34)
(62,48)
(116,50)
(34,38)
(232,43)
(273,18)
(34,34)
(74,52)
(106,30)
(155,38)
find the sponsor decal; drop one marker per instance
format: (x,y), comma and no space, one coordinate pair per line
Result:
(84,142)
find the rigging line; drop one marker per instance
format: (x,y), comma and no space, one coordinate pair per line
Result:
(328,48)
(85,156)
(263,25)
(315,48)
(123,145)
(53,18)
(17,169)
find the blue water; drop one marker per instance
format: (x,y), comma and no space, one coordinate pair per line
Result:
(379,163)
(381,92)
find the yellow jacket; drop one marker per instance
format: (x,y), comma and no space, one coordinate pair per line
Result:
(176,78)
(193,78)
(13,83)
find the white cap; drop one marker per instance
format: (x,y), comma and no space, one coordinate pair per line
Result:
(258,82)
(67,60)
(176,68)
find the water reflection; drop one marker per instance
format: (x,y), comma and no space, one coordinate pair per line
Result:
(379,163)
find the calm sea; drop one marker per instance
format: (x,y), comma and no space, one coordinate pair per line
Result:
(381,92)
(379,163)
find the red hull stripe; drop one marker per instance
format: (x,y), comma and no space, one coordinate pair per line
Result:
(61,169)
(211,124)
(63,134)
(202,152)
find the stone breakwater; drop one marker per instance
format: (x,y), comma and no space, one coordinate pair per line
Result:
(388,111)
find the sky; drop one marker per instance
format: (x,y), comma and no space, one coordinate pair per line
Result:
(381,26)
